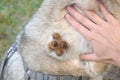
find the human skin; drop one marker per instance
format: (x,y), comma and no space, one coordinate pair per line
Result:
(103,34)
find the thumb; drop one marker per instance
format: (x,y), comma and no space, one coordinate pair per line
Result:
(91,57)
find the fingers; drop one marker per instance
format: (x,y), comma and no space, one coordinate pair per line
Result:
(78,26)
(106,13)
(95,18)
(93,57)
(89,34)
(81,18)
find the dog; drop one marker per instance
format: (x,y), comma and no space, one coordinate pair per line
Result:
(50,45)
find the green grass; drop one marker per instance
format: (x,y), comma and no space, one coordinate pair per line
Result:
(13,15)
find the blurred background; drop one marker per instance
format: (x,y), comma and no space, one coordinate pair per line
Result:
(13,16)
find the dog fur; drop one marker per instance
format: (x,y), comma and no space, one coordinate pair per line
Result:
(37,34)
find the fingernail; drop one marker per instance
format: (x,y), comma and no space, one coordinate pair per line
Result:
(69,8)
(67,16)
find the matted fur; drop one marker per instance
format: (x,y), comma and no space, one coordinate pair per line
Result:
(37,34)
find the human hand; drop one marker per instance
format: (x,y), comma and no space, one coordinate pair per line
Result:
(103,35)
